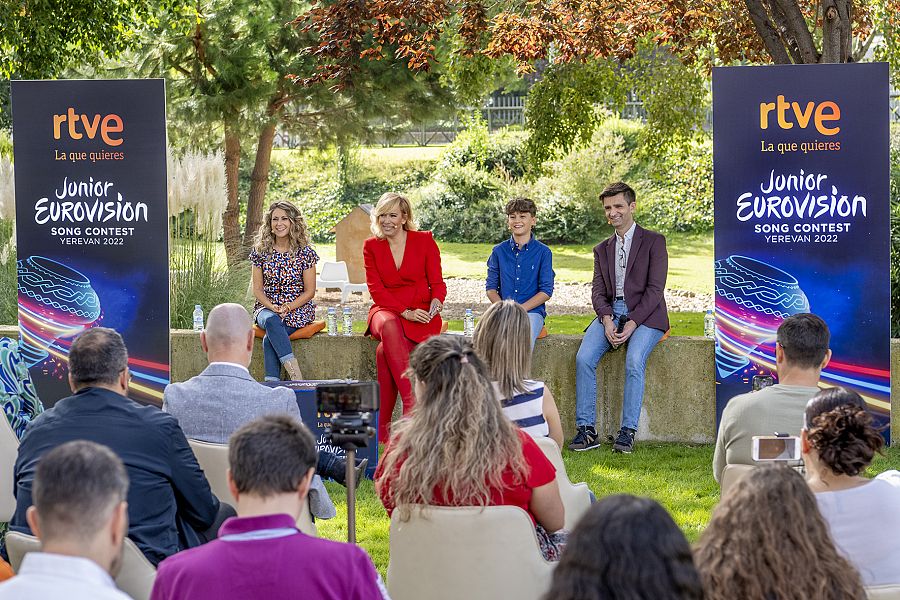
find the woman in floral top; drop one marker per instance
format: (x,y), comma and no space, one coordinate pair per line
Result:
(284,283)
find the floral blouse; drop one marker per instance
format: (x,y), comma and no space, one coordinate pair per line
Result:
(283,281)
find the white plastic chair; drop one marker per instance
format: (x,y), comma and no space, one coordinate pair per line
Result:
(9,450)
(335,275)
(135,578)
(576,497)
(213,459)
(731,474)
(883,592)
(448,553)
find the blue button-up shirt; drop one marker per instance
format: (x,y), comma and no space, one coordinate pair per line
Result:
(518,273)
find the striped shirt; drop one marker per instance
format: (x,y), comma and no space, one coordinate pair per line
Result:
(526,409)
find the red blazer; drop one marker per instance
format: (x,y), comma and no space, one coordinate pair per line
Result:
(413,286)
(645,278)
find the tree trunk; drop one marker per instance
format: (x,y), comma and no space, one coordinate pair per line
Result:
(767,31)
(836,32)
(231,227)
(259,181)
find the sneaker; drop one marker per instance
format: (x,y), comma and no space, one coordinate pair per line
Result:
(624,441)
(585,439)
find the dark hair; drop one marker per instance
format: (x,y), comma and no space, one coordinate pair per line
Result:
(271,455)
(614,189)
(76,485)
(840,429)
(804,338)
(521,205)
(626,547)
(767,539)
(98,355)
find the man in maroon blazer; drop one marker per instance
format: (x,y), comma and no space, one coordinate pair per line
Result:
(630,270)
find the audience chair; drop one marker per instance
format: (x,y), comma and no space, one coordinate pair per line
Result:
(731,474)
(135,578)
(9,450)
(335,275)
(883,592)
(448,553)
(576,497)
(213,459)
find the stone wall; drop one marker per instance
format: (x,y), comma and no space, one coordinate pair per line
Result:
(679,402)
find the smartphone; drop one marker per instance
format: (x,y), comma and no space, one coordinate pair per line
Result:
(775,448)
(761,381)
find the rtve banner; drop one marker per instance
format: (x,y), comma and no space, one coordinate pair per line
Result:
(802,223)
(92,225)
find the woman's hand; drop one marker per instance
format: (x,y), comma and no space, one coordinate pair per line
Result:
(436,307)
(283,309)
(416,315)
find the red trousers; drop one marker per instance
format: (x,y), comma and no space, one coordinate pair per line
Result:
(391,360)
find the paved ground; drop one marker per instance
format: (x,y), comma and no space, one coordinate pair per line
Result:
(568,299)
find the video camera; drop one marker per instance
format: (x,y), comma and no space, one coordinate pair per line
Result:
(351,406)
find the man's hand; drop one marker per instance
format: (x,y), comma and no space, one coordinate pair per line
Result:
(621,338)
(609,329)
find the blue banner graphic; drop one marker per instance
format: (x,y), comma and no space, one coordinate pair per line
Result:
(801,163)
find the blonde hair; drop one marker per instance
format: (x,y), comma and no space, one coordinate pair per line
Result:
(503,340)
(388,202)
(265,239)
(457,441)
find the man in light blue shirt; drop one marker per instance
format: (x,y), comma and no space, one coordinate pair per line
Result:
(521,268)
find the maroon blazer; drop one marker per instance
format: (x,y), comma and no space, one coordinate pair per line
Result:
(418,280)
(645,278)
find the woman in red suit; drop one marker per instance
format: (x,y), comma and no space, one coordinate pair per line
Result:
(403,272)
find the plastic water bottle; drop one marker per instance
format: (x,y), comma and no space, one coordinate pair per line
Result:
(331,321)
(348,321)
(198,318)
(469,323)
(709,325)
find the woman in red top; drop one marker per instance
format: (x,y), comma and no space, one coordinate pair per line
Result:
(458,449)
(403,272)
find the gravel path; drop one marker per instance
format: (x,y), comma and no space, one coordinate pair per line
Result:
(568,299)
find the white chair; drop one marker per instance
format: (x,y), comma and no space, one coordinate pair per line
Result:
(883,592)
(213,459)
(9,450)
(448,553)
(335,275)
(576,497)
(730,476)
(135,578)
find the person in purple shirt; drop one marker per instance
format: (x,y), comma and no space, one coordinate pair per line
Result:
(521,268)
(261,553)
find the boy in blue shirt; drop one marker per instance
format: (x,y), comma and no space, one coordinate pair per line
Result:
(521,268)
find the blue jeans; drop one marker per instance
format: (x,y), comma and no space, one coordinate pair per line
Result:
(276,345)
(537,323)
(593,346)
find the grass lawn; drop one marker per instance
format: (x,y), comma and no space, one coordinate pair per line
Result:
(679,476)
(690,261)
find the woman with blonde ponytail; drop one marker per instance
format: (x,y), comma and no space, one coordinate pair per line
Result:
(458,449)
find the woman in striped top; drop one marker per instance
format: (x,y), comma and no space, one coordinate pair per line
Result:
(503,340)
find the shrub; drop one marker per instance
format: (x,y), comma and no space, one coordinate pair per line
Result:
(463,204)
(499,152)
(680,194)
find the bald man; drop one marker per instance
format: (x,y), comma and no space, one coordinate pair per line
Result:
(218,401)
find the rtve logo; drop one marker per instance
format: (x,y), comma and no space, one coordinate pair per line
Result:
(819,113)
(107,125)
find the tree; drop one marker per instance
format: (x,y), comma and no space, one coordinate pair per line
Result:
(236,69)
(595,47)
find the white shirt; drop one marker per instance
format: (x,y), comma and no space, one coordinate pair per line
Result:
(44,576)
(865,525)
(623,245)
(230,364)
